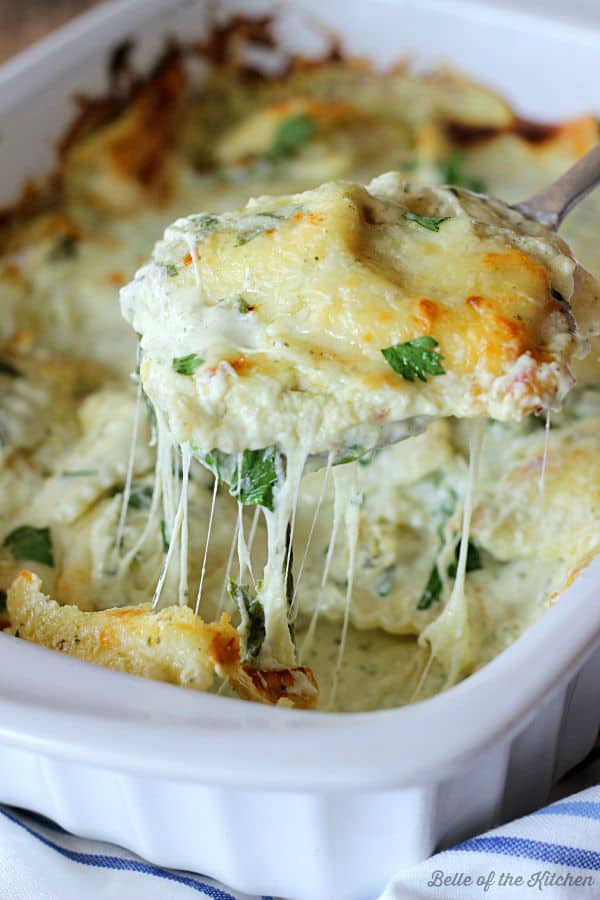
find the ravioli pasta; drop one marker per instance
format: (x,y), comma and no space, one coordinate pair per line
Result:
(337,567)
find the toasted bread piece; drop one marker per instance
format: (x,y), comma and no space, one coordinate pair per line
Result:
(173,645)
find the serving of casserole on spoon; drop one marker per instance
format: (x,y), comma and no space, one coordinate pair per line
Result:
(314,328)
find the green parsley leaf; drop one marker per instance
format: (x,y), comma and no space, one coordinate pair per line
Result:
(473,559)
(259,474)
(204,221)
(260,471)
(187,365)
(291,135)
(415,358)
(451,173)
(78,473)
(7,368)
(368,458)
(26,542)
(350,453)
(243,306)
(216,461)
(141,497)
(431,223)
(249,229)
(171,269)
(243,237)
(253,614)
(432,591)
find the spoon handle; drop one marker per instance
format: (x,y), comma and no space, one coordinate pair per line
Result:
(550,205)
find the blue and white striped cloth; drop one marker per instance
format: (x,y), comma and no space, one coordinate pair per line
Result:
(554,853)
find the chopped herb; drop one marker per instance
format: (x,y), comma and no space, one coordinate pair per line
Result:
(140,498)
(244,237)
(431,223)
(243,306)
(163,534)
(78,473)
(187,365)
(7,368)
(432,591)
(272,214)
(66,248)
(259,473)
(2,601)
(249,229)
(368,458)
(253,616)
(171,270)
(291,135)
(349,454)
(356,452)
(473,559)
(216,461)
(204,221)
(26,542)
(451,173)
(415,358)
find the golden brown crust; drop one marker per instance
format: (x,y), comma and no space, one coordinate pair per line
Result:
(172,645)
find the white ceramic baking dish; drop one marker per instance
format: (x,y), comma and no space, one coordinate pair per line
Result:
(300,805)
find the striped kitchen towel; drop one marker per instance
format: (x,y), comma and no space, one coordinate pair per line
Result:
(554,853)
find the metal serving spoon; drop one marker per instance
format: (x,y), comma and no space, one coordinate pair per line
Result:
(547,207)
(550,205)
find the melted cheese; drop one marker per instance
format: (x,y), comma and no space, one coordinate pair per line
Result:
(65,421)
(297,297)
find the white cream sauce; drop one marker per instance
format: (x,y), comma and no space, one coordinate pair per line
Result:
(67,462)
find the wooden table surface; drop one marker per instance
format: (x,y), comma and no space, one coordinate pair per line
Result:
(24,21)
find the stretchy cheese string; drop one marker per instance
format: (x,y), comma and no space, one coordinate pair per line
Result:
(338,513)
(130,468)
(453,619)
(294,605)
(278,646)
(151,525)
(175,533)
(253,529)
(243,551)
(167,471)
(223,595)
(186,457)
(208,534)
(347,485)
